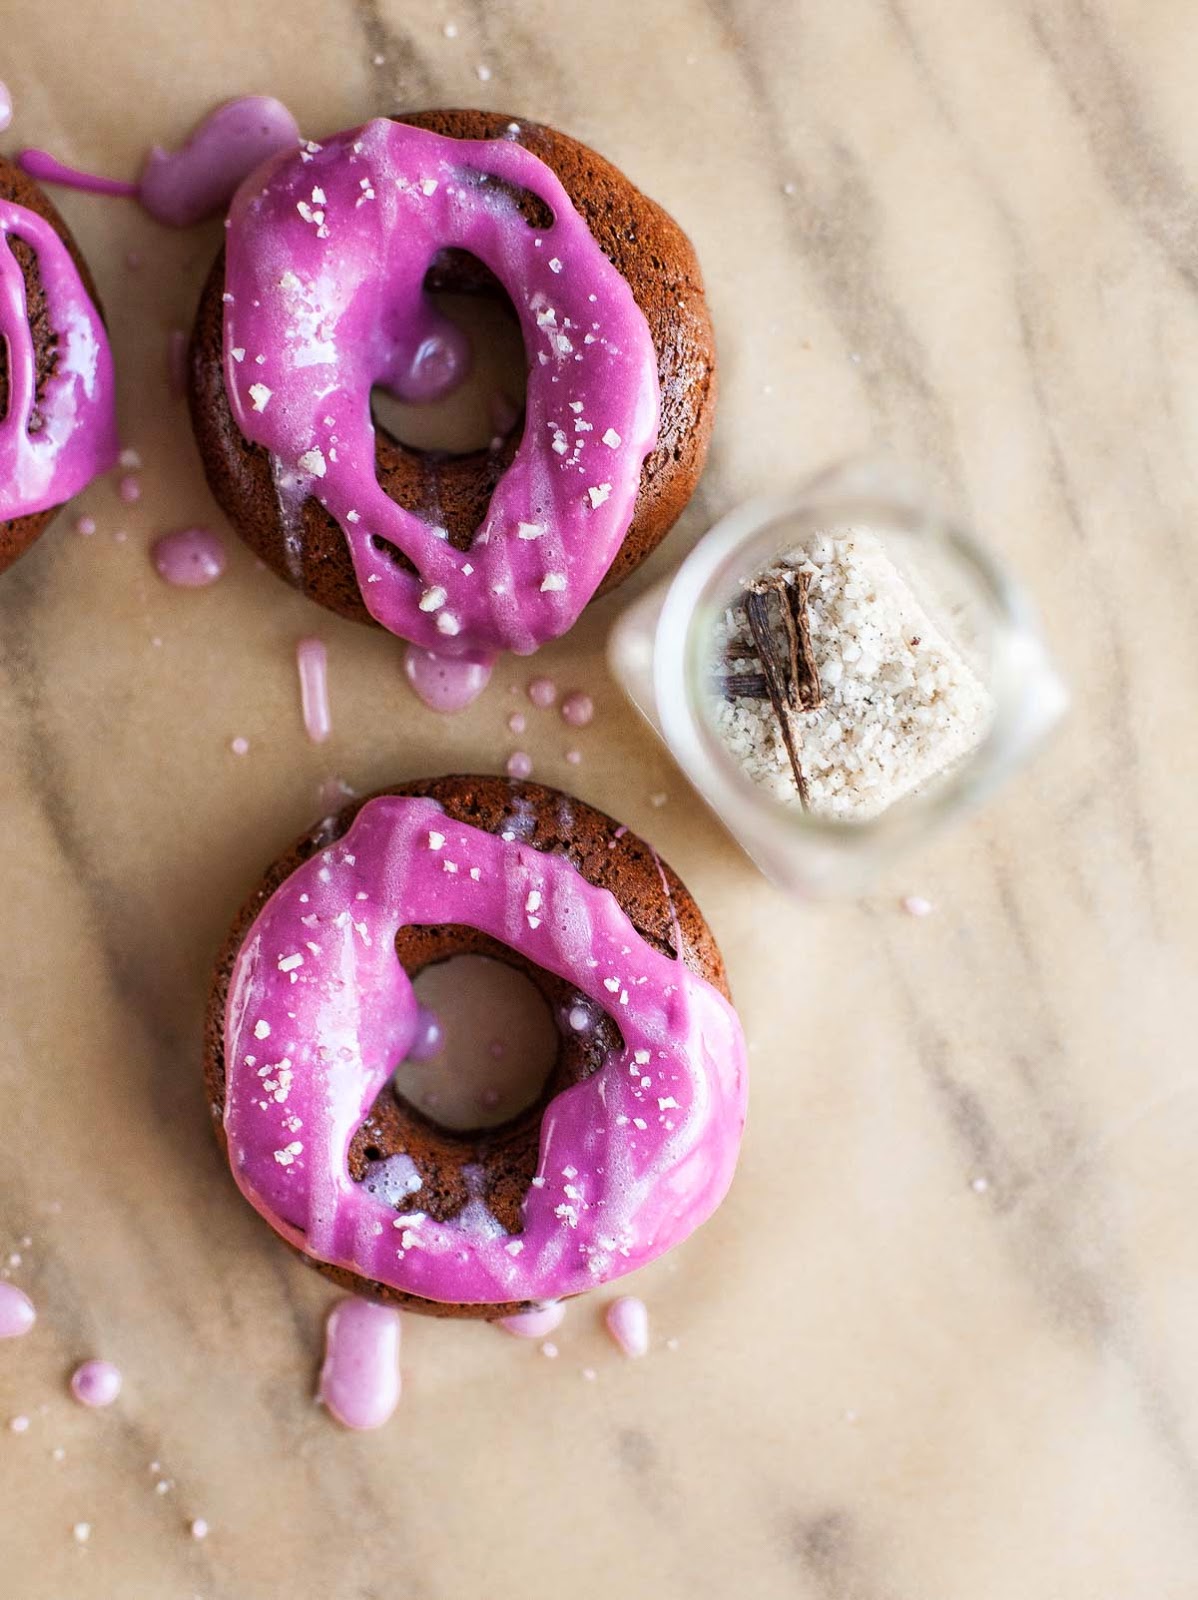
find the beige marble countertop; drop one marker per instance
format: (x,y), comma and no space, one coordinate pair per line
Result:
(940,1343)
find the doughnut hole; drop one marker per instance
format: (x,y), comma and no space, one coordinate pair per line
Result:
(484,410)
(563,1040)
(500,1045)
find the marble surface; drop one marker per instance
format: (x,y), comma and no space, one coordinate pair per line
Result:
(940,1342)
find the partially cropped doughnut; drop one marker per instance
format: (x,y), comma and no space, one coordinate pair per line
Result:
(633,1142)
(57,404)
(321,295)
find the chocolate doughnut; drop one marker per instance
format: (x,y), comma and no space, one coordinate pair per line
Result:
(57,413)
(630,972)
(277,506)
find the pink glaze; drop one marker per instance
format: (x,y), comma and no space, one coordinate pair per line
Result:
(320,1010)
(129,488)
(574,757)
(445,683)
(542,692)
(40,164)
(429,1038)
(578,709)
(312,659)
(5,107)
(627,1321)
(85,526)
(359,1382)
(516,723)
(326,258)
(17,1315)
(519,764)
(176,361)
(76,438)
(190,558)
(184,186)
(537,1323)
(96,1383)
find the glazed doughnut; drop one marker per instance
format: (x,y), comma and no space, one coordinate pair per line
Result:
(57,405)
(494,549)
(633,1142)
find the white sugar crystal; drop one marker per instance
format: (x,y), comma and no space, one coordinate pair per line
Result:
(428,185)
(435,840)
(902,703)
(312,461)
(448,624)
(433,599)
(611,439)
(260,394)
(553,582)
(599,494)
(530,530)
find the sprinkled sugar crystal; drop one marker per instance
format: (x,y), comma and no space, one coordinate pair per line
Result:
(899,703)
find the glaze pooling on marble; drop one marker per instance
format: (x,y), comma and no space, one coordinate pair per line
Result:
(304,346)
(182,187)
(360,1380)
(74,434)
(320,1011)
(17,1314)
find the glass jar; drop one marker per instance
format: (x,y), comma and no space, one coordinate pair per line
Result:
(890,586)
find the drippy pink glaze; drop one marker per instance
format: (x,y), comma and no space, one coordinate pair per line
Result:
(17,1315)
(326,257)
(627,1320)
(96,1383)
(320,1011)
(190,558)
(183,186)
(359,1382)
(428,1040)
(76,438)
(519,764)
(40,164)
(312,660)
(542,692)
(535,1324)
(445,683)
(578,709)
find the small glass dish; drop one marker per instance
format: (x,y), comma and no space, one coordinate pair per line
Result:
(907,669)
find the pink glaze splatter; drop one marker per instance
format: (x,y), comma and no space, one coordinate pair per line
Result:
(239,746)
(176,361)
(574,757)
(429,1039)
(631,1160)
(542,692)
(578,709)
(183,186)
(445,683)
(17,1315)
(198,1528)
(189,558)
(86,526)
(359,1382)
(129,488)
(916,906)
(312,659)
(75,438)
(535,1324)
(40,164)
(96,1383)
(627,1321)
(519,764)
(516,722)
(327,252)
(5,107)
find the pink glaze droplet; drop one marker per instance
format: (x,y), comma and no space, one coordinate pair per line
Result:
(538,1322)
(46,168)
(574,757)
(239,746)
(916,906)
(445,683)
(519,764)
(578,709)
(198,1528)
(129,489)
(86,526)
(489,1098)
(96,1383)
(440,363)
(429,1038)
(359,1382)
(516,722)
(542,692)
(627,1321)
(312,659)
(189,558)
(19,1424)
(5,107)
(17,1315)
(176,361)
(183,186)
